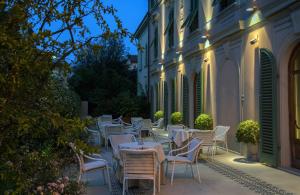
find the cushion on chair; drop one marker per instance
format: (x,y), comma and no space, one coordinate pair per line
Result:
(178,159)
(192,145)
(93,165)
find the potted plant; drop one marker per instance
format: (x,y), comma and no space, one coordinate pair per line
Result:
(204,122)
(159,114)
(176,118)
(248,133)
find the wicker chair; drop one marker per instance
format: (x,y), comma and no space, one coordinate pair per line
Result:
(190,157)
(221,135)
(96,162)
(94,136)
(141,165)
(159,124)
(112,130)
(207,138)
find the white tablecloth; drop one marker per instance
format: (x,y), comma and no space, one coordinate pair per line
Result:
(179,136)
(146,145)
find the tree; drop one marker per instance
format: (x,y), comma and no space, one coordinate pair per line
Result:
(101,76)
(37,120)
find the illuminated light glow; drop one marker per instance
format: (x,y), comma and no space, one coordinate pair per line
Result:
(203,36)
(208,25)
(162,56)
(180,58)
(256,18)
(162,68)
(250,9)
(207,44)
(180,43)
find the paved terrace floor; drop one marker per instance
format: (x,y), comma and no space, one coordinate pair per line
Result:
(228,174)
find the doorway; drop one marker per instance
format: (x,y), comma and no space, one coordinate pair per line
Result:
(294,105)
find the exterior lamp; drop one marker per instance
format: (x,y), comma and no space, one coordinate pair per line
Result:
(162,67)
(178,52)
(204,36)
(252,8)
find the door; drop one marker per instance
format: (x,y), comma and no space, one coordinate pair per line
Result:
(185,100)
(294,70)
(268,122)
(166,104)
(197,95)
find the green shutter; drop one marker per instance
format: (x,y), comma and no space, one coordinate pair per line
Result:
(268,126)
(151,102)
(185,100)
(157,97)
(198,101)
(166,106)
(173,101)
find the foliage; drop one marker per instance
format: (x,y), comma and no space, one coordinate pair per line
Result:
(176,118)
(248,132)
(204,122)
(159,114)
(38,112)
(101,77)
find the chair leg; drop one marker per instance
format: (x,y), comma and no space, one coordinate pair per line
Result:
(103,175)
(192,170)
(167,167)
(108,178)
(173,169)
(154,181)
(158,179)
(124,184)
(198,172)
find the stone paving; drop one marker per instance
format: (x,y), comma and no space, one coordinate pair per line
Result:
(227,174)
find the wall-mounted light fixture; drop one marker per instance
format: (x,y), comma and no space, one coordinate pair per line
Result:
(205,60)
(204,36)
(178,52)
(254,40)
(162,67)
(252,7)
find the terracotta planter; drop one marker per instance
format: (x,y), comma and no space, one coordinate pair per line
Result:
(252,152)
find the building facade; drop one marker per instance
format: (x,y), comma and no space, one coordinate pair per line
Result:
(141,35)
(233,59)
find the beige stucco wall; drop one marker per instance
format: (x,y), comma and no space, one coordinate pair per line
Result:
(230,64)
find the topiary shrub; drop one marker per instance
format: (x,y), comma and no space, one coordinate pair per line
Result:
(176,118)
(248,132)
(159,114)
(204,122)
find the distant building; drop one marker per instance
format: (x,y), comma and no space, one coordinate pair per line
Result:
(142,69)
(233,59)
(132,62)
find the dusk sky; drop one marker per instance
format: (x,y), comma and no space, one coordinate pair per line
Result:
(131,12)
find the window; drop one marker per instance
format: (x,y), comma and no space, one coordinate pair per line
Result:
(223,3)
(152,3)
(155,42)
(170,29)
(146,56)
(192,20)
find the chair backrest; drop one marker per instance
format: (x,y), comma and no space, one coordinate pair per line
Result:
(170,128)
(194,146)
(105,118)
(135,120)
(94,136)
(115,140)
(160,123)
(146,124)
(113,130)
(206,136)
(221,132)
(78,156)
(139,162)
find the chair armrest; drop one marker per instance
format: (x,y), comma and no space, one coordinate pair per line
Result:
(185,153)
(170,153)
(92,158)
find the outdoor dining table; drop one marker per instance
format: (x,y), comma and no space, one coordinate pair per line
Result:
(149,145)
(179,136)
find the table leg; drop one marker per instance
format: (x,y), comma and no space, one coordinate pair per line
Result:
(162,174)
